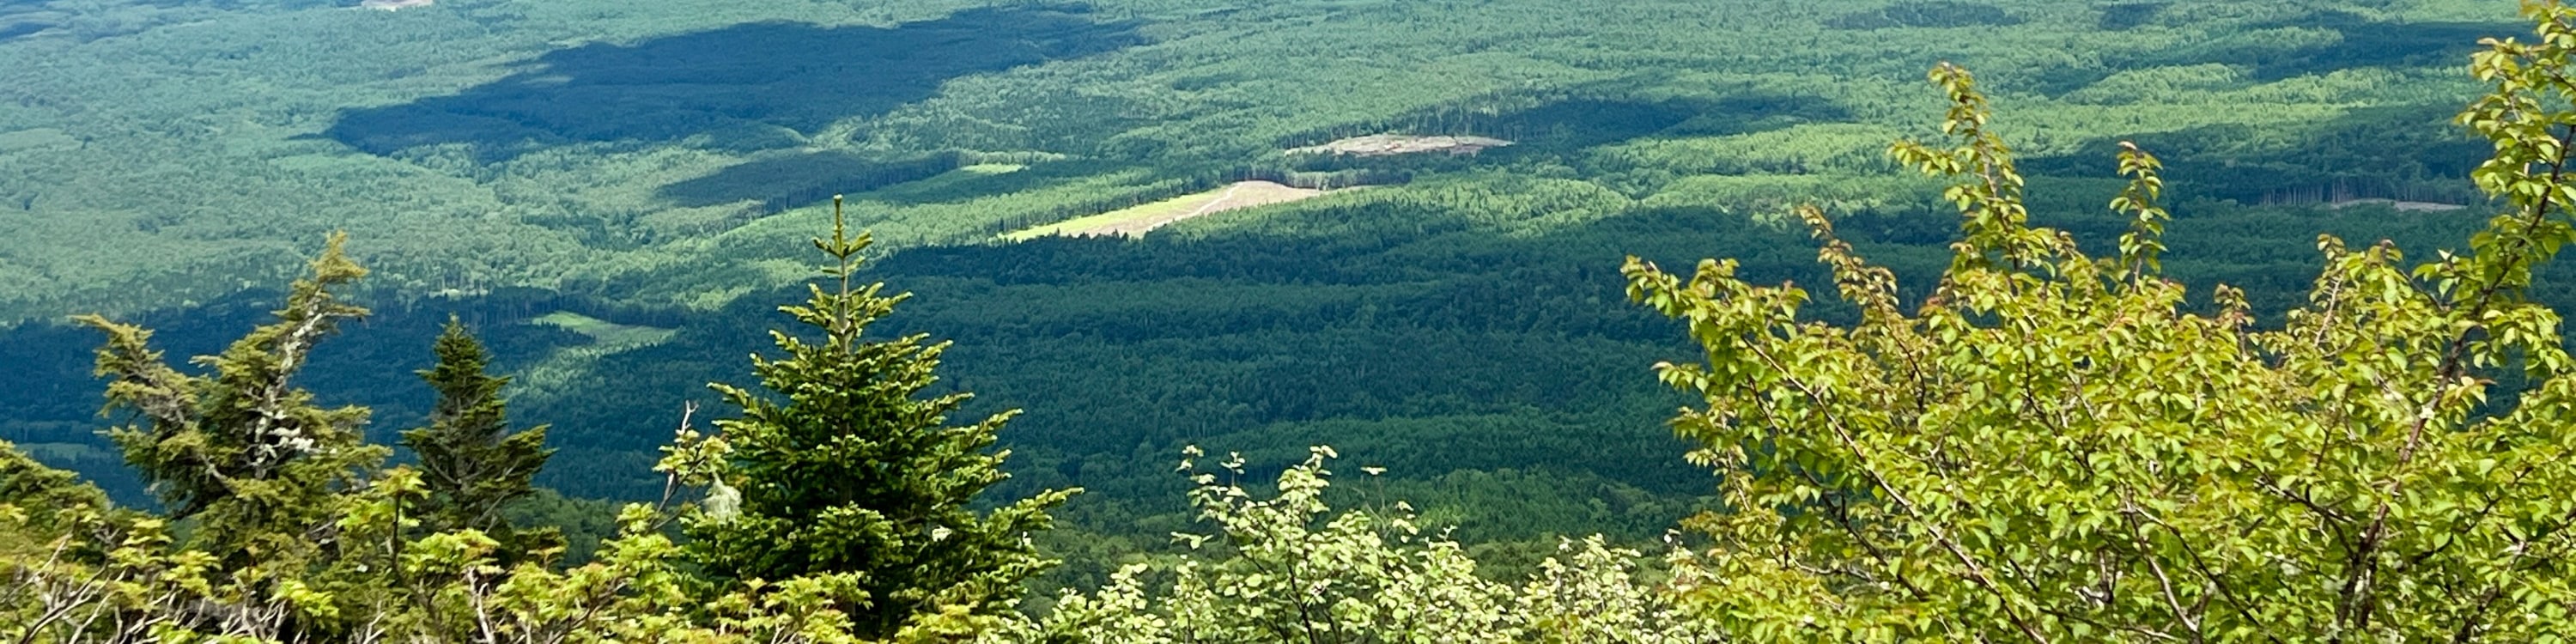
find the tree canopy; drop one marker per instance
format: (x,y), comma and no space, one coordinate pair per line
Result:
(2040,444)
(2056,447)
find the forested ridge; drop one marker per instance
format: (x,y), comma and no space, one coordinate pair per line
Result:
(613,201)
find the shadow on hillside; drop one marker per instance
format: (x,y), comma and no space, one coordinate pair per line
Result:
(2369,43)
(754,85)
(2264,57)
(2407,152)
(1937,14)
(1587,117)
(2124,16)
(2361,42)
(1585,122)
(1565,126)
(785,180)
(10,30)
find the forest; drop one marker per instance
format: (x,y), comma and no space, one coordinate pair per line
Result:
(614,200)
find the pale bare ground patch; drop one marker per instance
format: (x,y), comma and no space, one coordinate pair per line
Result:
(1378,145)
(2401,206)
(1135,221)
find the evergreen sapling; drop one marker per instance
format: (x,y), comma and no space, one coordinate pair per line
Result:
(471,462)
(846,465)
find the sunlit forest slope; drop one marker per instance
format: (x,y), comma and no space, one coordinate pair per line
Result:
(615,194)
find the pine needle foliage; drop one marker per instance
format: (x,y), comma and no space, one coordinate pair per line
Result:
(845,465)
(44,492)
(241,452)
(284,528)
(471,462)
(2052,447)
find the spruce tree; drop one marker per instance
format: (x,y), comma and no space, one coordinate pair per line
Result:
(242,453)
(469,459)
(847,465)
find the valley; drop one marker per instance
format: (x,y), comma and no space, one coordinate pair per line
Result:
(1106,208)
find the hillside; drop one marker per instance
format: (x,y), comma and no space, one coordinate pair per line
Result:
(617,194)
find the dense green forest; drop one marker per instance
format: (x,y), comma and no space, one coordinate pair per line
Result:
(613,196)
(1934,391)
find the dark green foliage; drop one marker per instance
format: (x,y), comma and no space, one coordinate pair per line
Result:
(748,81)
(2359,42)
(787,180)
(846,466)
(243,452)
(1934,14)
(471,462)
(2123,16)
(582,523)
(2410,153)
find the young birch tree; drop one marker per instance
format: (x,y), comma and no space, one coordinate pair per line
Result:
(2053,447)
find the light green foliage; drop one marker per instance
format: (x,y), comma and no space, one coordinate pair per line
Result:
(41,509)
(42,491)
(472,462)
(92,577)
(73,569)
(292,535)
(1287,569)
(847,471)
(636,589)
(243,453)
(603,334)
(2055,448)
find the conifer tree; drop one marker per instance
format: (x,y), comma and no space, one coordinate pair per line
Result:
(242,452)
(469,459)
(845,465)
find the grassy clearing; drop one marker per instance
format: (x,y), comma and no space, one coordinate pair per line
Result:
(567,368)
(604,334)
(1137,220)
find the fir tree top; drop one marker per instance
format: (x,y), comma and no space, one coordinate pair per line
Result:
(847,465)
(470,460)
